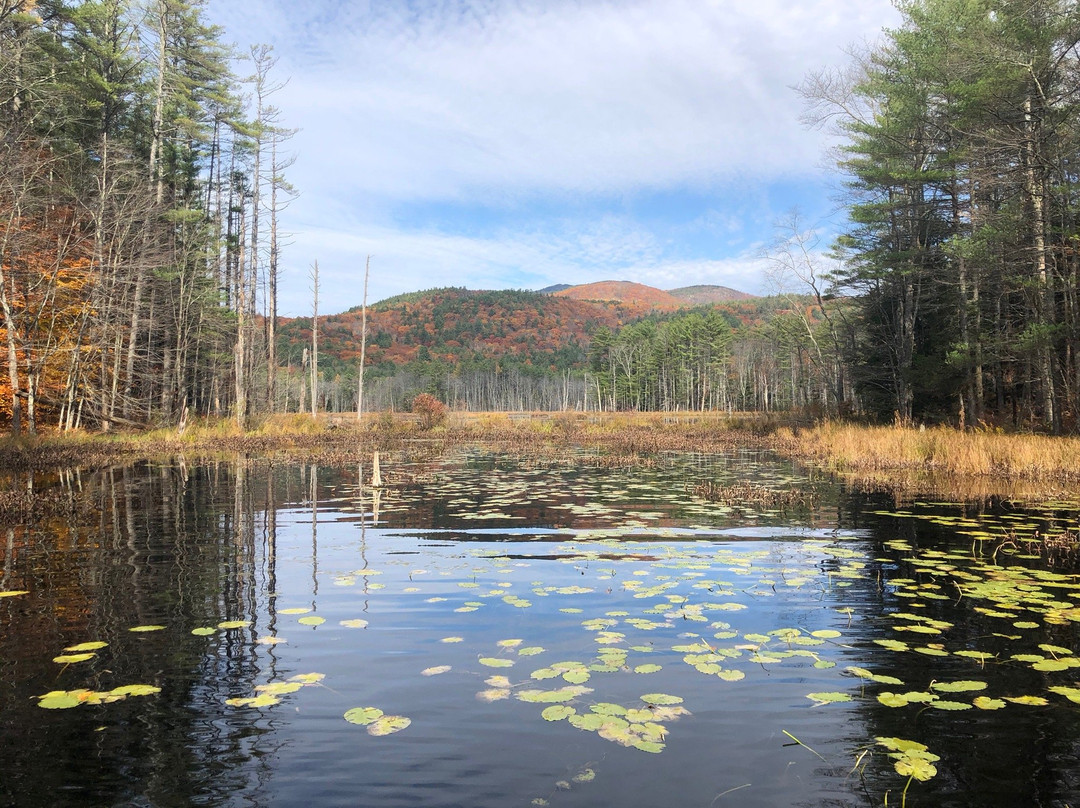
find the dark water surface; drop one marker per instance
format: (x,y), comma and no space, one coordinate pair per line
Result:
(678,641)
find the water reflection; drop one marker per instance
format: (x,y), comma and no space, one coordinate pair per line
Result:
(485,550)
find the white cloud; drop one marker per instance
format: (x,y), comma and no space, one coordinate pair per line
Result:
(466,100)
(486,104)
(418,260)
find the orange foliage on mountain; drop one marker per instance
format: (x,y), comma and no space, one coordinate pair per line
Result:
(632,296)
(463,326)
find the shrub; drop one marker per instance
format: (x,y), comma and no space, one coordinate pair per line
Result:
(432,412)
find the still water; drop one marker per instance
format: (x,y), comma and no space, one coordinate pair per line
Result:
(510,634)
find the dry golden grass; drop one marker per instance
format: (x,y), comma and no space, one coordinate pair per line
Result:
(939,451)
(898,459)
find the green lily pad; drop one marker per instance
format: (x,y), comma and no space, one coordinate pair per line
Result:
(363,715)
(958,687)
(829,698)
(557,712)
(661,699)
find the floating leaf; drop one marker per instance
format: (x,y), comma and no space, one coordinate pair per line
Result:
(1030,701)
(144,629)
(930,651)
(1048,665)
(295,610)
(647,669)
(557,712)
(1071,693)
(86,646)
(135,690)
(357,624)
(892,645)
(985,703)
(497,681)
(264,700)
(279,688)
(921,770)
(585,776)
(950,705)
(495,694)
(204,631)
(270,640)
(435,671)
(531,651)
(311,620)
(958,687)
(589,722)
(11,593)
(452,639)
(388,725)
(70,659)
(61,699)
(826,634)
(829,698)
(652,747)
(509,643)
(363,715)
(892,700)
(661,698)
(496,662)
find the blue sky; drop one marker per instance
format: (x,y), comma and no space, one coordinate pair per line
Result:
(520,143)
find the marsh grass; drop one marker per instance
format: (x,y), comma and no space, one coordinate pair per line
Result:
(938,451)
(965,465)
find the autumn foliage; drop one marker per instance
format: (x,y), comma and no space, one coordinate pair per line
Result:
(432,412)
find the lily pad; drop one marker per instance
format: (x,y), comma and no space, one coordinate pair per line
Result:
(70,659)
(363,715)
(557,712)
(388,725)
(86,646)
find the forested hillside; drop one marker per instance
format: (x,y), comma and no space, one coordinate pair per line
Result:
(962,152)
(143,165)
(140,178)
(529,350)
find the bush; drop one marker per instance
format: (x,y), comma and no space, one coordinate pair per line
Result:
(432,412)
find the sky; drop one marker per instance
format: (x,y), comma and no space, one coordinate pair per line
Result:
(516,144)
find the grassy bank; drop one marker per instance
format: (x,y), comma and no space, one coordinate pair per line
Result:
(937,459)
(941,450)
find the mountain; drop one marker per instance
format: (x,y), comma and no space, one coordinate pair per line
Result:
(707,295)
(558,287)
(498,329)
(460,326)
(636,296)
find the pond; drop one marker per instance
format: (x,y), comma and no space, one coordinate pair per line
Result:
(492,632)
